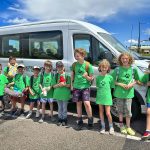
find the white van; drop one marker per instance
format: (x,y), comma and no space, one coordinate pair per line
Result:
(33,43)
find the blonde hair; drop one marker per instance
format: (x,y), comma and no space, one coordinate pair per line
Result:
(81,51)
(131,59)
(104,63)
(48,63)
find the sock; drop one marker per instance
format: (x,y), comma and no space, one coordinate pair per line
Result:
(147,130)
(103,124)
(110,125)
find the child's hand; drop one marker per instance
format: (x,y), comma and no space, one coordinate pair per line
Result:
(31,92)
(85,75)
(61,84)
(148,83)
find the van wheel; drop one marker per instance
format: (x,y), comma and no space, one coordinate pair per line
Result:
(136,110)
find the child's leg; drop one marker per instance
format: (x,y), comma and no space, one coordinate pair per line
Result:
(79,109)
(148,120)
(128,113)
(43,109)
(51,108)
(108,114)
(38,105)
(101,114)
(13,101)
(31,106)
(22,99)
(88,108)
(60,111)
(65,104)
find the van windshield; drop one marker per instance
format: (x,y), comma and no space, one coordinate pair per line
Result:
(116,44)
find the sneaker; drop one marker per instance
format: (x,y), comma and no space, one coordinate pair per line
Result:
(37,114)
(146,135)
(53,119)
(19,112)
(41,120)
(29,115)
(130,131)
(79,125)
(90,123)
(13,112)
(111,131)
(123,130)
(102,131)
(59,122)
(64,122)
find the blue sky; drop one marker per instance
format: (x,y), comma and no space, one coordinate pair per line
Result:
(120,17)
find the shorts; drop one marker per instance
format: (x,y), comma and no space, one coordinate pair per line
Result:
(148,105)
(124,107)
(45,100)
(81,95)
(1,98)
(34,100)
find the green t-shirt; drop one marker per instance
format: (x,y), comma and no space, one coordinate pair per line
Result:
(3,82)
(62,93)
(145,79)
(9,72)
(20,85)
(47,81)
(104,85)
(125,76)
(35,87)
(79,81)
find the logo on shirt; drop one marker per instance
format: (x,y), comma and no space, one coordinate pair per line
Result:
(127,76)
(102,83)
(47,80)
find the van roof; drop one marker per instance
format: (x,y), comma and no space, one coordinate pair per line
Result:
(87,25)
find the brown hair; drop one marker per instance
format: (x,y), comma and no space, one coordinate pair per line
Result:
(11,58)
(81,51)
(48,63)
(131,59)
(104,63)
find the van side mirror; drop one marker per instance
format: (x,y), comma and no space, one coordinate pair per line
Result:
(106,55)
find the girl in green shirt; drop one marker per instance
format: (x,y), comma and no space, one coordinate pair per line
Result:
(104,83)
(62,94)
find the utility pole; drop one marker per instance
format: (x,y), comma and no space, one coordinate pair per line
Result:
(139,38)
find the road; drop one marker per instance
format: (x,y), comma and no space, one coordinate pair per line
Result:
(26,134)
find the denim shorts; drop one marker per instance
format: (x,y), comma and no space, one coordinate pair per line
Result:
(81,95)
(148,105)
(45,100)
(124,107)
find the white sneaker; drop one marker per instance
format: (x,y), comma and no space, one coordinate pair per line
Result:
(29,115)
(41,120)
(102,131)
(111,131)
(37,114)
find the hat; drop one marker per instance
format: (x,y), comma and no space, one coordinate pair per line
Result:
(59,64)
(36,67)
(21,66)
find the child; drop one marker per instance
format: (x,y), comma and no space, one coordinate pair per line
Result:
(61,84)
(11,69)
(3,82)
(47,91)
(146,79)
(104,82)
(125,77)
(20,85)
(34,91)
(81,77)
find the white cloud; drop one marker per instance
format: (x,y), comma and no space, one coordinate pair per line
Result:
(76,9)
(132,41)
(147,31)
(17,20)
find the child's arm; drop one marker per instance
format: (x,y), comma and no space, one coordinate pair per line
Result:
(10,84)
(72,79)
(121,84)
(88,77)
(30,91)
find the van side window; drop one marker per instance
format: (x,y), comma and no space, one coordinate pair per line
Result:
(46,45)
(83,41)
(98,48)
(11,45)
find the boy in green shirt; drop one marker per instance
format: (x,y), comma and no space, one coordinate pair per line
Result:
(20,85)
(3,82)
(62,94)
(47,91)
(125,77)
(81,77)
(34,91)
